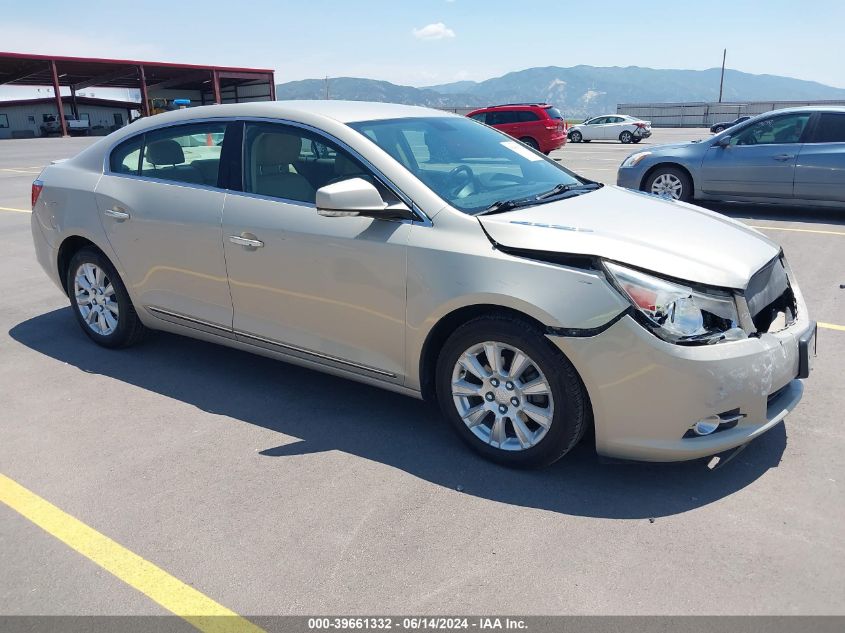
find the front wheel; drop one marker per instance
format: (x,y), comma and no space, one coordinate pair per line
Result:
(669,182)
(575,136)
(100,302)
(626,137)
(510,394)
(718,129)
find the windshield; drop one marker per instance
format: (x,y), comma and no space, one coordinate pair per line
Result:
(469,165)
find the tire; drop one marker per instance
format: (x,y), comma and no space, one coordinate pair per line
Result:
(626,137)
(670,182)
(530,142)
(490,430)
(718,129)
(113,320)
(575,136)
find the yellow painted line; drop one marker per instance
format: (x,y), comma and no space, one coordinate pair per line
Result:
(831,326)
(783,228)
(171,593)
(13,209)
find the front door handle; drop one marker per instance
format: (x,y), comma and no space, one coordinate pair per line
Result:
(245,241)
(783,156)
(117,213)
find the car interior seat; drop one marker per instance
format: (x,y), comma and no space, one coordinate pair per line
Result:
(273,172)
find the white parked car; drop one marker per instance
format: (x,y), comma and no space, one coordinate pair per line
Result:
(609,127)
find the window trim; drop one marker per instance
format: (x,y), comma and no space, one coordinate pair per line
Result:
(424,219)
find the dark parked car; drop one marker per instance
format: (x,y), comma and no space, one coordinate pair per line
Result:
(794,156)
(538,125)
(724,125)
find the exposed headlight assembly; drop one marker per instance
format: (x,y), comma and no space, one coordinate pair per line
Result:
(678,313)
(633,159)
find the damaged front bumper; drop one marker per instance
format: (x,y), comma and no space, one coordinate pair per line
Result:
(646,394)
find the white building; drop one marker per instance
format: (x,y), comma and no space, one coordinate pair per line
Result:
(24,118)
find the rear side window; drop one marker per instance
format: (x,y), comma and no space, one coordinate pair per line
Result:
(126,157)
(831,128)
(184,153)
(526,116)
(502,117)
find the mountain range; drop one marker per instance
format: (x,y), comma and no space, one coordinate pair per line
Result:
(578,91)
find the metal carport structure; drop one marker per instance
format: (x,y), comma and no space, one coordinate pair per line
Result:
(212,84)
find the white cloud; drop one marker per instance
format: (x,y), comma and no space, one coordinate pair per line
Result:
(435,31)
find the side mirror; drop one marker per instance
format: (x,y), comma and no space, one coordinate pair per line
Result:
(356,197)
(725,141)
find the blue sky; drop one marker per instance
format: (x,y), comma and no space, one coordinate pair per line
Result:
(423,42)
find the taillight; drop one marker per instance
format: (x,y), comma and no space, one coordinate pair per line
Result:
(37,186)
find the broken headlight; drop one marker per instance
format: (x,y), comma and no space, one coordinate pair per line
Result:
(678,313)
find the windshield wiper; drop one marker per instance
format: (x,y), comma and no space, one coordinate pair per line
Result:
(506,205)
(559,189)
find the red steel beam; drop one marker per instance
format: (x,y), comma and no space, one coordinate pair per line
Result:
(57,91)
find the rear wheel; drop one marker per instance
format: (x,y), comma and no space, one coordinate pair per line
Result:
(669,182)
(509,393)
(626,137)
(100,302)
(575,136)
(530,142)
(718,129)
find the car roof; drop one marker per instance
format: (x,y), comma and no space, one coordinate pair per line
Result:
(341,111)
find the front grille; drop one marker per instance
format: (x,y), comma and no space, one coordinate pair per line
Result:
(770,299)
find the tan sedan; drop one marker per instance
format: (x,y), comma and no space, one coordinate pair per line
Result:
(429,254)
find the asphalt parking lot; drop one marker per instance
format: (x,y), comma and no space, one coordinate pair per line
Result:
(272,489)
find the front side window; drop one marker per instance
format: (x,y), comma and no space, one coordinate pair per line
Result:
(480,116)
(830,129)
(292,163)
(597,121)
(184,153)
(775,130)
(4,120)
(469,166)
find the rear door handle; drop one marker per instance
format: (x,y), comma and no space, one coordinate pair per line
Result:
(245,241)
(783,156)
(116,213)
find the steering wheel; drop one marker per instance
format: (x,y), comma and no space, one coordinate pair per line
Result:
(458,179)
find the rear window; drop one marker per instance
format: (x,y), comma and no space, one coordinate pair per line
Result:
(554,113)
(831,128)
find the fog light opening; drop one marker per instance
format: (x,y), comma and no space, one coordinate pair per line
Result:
(707,425)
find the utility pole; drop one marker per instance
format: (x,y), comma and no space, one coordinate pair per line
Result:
(327,87)
(722,80)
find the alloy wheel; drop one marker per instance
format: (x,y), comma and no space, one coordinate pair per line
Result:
(95,299)
(668,186)
(502,396)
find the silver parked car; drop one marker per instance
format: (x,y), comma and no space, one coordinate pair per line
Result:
(611,127)
(429,254)
(794,156)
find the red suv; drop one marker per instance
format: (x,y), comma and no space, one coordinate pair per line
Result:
(539,125)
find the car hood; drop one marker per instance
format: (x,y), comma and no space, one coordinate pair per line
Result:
(671,238)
